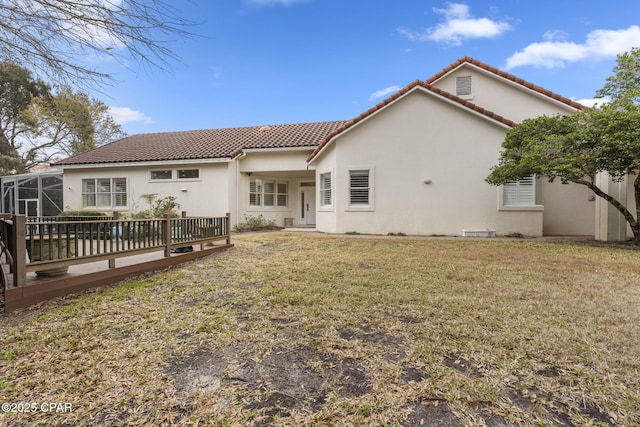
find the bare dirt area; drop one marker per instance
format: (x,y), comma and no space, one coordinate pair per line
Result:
(290,330)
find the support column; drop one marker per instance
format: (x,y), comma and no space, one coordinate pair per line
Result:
(610,223)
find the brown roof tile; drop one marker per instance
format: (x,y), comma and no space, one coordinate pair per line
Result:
(204,144)
(503,74)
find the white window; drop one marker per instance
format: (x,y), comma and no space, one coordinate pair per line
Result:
(268,193)
(359,188)
(463,86)
(255,192)
(325,190)
(519,193)
(188,173)
(104,193)
(161,174)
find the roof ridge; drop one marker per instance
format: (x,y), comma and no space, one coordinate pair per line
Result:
(505,75)
(229,128)
(397,95)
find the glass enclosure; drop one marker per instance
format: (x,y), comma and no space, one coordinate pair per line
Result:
(33,194)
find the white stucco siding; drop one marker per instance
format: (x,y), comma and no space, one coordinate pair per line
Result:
(502,96)
(631,201)
(421,137)
(569,209)
(326,219)
(206,196)
(275,160)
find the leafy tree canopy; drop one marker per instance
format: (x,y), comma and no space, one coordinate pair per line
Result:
(38,123)
(576,148)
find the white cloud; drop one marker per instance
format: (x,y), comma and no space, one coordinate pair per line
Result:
(276,2)
(123,115)
(459,25)
(600,45)
(383,93)
(590,102)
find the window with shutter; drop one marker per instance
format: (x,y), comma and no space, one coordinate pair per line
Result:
(104,193)
(269,193)
(263,193)
(282,194)
(255,192)
(359,188)
(520,193)
(325,189)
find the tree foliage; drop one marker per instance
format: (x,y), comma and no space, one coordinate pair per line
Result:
(56,39)
(579,147)
(38,123)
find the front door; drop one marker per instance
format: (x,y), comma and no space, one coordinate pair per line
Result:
(307,212)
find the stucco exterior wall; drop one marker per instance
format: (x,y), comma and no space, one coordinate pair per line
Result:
(205,196)
(275,160)
(421,137)
(502,96)
(569,209)
(631,200)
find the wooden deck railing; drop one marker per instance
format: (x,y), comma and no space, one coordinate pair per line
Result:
(55,245)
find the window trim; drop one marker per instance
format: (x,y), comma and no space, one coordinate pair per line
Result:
(112,192)
(357,207)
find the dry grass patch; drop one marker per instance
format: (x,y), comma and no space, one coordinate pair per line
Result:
(289,329)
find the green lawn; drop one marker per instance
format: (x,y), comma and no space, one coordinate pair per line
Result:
(294,329)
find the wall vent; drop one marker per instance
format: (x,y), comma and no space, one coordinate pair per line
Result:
(479,233)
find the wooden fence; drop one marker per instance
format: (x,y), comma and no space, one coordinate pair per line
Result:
(49,246)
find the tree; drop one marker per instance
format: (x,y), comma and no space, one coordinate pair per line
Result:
(51,37)
(17,89)
(38,123)
(579,147)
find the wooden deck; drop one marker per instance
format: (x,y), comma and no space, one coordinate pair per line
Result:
(90,275)
(82,254)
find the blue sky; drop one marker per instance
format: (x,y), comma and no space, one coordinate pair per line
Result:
(260,62)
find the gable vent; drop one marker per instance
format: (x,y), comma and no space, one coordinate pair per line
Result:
(463,86)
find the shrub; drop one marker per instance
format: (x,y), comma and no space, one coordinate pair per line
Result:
(515,234)
(158,207)
(254,223)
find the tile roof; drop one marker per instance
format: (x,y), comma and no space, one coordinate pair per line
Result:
(503,74)
(229,143)
(204,144)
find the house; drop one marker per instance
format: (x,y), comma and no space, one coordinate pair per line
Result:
(414,164)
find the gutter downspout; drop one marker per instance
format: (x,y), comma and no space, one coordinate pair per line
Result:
(237,196)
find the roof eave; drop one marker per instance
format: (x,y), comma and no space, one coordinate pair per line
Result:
(142,163)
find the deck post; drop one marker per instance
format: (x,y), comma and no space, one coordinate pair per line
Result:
(167,236)
(228,220)
(19,244)
(116,217)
